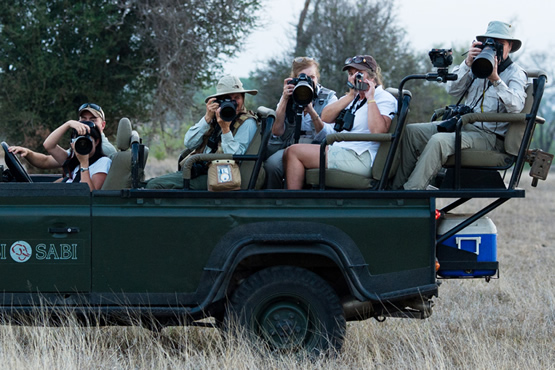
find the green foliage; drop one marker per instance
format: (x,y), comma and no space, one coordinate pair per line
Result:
(140,59)
(56,55)
(337,29)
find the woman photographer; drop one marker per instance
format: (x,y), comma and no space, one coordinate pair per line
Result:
(91,168)
(283,129)
(366,108)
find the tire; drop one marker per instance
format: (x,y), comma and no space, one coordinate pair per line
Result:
(289,308)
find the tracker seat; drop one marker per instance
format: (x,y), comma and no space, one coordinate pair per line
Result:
(128,163)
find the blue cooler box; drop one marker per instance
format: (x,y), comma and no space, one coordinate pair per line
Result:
(479,237)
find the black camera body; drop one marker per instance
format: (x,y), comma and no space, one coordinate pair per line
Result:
(441,58)
(228,108)
(344,121)
(451,116)
(303,93)
(83,144)
(359,82)
(482,66)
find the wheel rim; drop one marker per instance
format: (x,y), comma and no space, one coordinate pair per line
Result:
(285,323)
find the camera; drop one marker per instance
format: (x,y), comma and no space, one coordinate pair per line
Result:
(441,58)
(83,144)
(344,121)
(451,116)
(484,62)
(359,82)
(228,108)
(303,93)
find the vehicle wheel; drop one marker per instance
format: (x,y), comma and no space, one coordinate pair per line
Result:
(16,168)
(289,308)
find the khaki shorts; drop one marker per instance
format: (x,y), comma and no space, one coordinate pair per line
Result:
(349,161)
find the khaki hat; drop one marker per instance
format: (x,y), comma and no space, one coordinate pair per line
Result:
(230,85)
(501,30)
(94,109)
(361,62)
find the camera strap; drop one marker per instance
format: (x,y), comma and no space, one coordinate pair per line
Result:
(352,108)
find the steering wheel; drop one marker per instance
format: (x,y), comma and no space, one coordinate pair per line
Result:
(15,166)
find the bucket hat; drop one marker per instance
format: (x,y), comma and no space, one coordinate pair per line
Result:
(501,30)
(230,85)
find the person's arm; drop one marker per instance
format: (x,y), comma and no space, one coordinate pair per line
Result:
(239,143)
(463,72)
(377,123)
(331,111)
(193,137)
(512,92)
(278,128)
(95,179)
(51,142)
(36,159)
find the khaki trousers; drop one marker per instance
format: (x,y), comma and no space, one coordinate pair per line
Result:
(424,150)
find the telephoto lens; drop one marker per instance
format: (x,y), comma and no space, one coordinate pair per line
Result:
(83,144)
(228,109)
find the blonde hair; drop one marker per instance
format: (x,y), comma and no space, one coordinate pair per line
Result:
(304,63)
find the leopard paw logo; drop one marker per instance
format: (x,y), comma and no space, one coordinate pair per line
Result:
(21,251)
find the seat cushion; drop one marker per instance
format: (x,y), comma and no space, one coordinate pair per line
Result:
(481,158)
(338,179)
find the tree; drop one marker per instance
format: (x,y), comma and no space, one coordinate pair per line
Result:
(142,59)
(55,55)
(331,31)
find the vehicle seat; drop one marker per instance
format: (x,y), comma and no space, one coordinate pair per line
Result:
(513,138)
(484,165)
(345,180)
(128,163)
(250,162)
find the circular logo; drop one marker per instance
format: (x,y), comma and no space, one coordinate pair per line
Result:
(21,251)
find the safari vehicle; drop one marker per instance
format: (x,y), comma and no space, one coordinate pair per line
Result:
(289,266)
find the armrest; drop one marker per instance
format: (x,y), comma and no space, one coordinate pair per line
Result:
(332,138)
(493,117)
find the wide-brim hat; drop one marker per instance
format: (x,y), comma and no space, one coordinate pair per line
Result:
(361,62)
(230,85)
(501,30)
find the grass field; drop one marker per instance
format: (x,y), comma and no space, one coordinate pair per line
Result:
(504,324)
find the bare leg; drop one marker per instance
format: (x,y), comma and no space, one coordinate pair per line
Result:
(297,158)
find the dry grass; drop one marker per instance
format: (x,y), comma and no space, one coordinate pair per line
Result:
(505,324)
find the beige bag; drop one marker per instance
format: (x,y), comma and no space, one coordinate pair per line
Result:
(224,175)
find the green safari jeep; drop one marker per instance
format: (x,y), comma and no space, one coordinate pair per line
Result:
(291,267)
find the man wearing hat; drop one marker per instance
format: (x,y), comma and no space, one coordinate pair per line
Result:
(214,133)
(426,146)
(87,112)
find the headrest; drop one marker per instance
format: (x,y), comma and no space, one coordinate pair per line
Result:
(124,134)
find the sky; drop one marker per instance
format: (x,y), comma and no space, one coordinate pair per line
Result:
(428,23)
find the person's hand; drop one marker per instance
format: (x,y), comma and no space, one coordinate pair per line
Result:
(224,125)
(287,89)
(369,93)
(19,150)
(79,127)
(473,53)
(310,110)
(494,76)
(212,107)
(82,158)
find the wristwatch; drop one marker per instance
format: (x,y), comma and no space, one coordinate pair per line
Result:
(496,83)
(83,169)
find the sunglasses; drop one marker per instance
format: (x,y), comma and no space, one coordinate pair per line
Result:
(358,59)
(90,105)
(302,59)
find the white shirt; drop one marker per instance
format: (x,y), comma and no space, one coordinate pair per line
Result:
(387,105)
(102,165)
